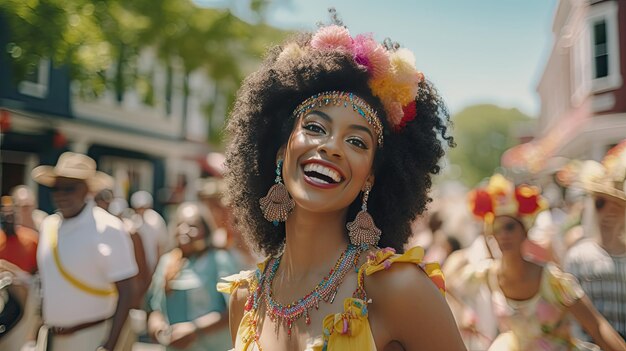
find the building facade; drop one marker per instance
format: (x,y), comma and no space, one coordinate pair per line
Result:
(582,91)
(157,145)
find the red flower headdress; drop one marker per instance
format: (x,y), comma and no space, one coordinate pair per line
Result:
(502,198)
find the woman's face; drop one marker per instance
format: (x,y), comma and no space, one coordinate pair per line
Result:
(509,233)
(328,158)
(190,235)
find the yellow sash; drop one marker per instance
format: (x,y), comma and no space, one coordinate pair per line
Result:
(53,234)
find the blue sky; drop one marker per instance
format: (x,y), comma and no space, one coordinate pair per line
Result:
(485,51)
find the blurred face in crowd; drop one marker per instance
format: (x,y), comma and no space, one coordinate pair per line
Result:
(609,211)
(509,233)
(69,196)
(191,234)
(103,199)
(24,204)
(7,219)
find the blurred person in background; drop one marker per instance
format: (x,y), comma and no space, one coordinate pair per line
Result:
(442,244)
(137,317)
(153,228)
(27,214)
(85,259)
(532,301)
(103,198)
(185,310)
(211,194)
(472,308)
(598,260)
(120,209)
(18,260)
(18,244)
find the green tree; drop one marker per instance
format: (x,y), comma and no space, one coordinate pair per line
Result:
(93,37)
(483,133)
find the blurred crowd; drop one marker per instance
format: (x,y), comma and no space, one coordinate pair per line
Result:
(105,271)
(525,269)
(536,264)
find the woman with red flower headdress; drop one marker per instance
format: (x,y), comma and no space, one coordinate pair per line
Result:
(333,144)
(531,301)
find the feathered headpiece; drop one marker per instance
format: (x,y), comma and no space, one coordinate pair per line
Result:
(393,76)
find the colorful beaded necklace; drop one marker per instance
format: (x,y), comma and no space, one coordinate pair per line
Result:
(325,291)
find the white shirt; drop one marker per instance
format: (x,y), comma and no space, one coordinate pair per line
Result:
(603,278)
(154,236)
(95,249)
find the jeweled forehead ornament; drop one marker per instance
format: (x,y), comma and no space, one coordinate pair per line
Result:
(348,100)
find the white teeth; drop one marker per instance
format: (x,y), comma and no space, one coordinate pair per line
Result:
(316,167)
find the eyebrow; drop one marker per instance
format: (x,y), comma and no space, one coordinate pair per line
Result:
(353,126)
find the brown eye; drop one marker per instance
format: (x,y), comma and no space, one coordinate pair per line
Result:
(314,127)
(358,143)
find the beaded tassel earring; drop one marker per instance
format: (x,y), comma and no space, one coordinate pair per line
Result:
(277,204)
(362,230)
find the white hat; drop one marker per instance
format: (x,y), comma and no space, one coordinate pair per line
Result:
(75,166)
(141,199)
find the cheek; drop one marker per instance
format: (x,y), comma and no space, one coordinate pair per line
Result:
(298,144)
(361,166)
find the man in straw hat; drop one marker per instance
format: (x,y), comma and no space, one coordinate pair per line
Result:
(599,260)
(85,259)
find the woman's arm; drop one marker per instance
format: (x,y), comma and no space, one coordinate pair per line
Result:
(596,325)
(412,310)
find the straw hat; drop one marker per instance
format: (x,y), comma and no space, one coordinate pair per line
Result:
(75,166)
(607,178)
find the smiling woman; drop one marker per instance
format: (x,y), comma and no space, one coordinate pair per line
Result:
(346,134)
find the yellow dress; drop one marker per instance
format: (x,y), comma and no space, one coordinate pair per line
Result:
(346,330)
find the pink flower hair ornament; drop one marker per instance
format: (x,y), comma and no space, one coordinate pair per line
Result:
(393,76)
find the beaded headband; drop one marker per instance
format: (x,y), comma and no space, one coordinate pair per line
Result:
(393,77)
(338,98)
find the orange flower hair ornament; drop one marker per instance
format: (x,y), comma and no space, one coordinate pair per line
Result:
(502,198)
(393,76)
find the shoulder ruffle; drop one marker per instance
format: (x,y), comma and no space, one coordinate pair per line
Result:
(233,282)
(243,278)
(562,287)
(382,259)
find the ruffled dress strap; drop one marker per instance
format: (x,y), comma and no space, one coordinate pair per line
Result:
(350,329)
(560,287)
(382,259)
(246,333)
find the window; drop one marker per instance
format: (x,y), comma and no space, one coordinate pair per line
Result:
(36,82)
(604,49)
(129,174)
(600,51)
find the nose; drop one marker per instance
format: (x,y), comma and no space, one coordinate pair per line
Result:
(331,147)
